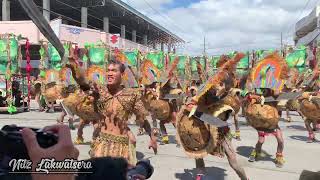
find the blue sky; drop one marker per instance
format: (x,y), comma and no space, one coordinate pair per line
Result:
(180,3)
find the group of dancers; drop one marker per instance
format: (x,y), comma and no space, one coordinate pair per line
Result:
(167,99)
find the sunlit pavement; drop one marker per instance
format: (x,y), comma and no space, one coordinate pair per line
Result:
(172,163)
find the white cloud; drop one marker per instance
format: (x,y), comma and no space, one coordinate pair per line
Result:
(229,25)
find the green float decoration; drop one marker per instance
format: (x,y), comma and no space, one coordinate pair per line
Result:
(42,73)
(132,57)
(193,64)
(297,59)
(97,56)
(85,58)
(243,65)
(181,64)
(54,56)
(14,49)
(157,59)
(214,60)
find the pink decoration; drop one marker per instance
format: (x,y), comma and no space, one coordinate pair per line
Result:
(28,69)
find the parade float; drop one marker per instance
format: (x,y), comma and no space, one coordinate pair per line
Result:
(12,82)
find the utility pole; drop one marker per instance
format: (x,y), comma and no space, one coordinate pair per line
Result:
(205,57)
(204,46)
(281,46)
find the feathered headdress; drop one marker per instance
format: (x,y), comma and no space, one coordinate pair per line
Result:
(65,76)
(51,76)
(170,73)
(223,59)
(121,57)
(130,78)
(188,75)
(219,77)
(173,67)
(293,78)
(271,72)
(149,73)
(201,73)
(96,74)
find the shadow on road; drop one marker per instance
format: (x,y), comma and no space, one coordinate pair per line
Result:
(172,139)
(140,155)
(297,127)
(245,151)
(299,138)
(212,173)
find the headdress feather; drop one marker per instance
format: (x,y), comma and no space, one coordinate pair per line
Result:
(219,77)
(149,72)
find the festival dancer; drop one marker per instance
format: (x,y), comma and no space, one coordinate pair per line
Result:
(64,114)
(114,104)
(65,110)
(232,98)
(265,124)
(153,95)
(152,90)
(264,115)
(199,139)
(309,103)
(96,123)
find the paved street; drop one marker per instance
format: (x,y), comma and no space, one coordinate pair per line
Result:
(171,162)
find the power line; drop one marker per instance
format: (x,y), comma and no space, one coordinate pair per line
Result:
(165,17)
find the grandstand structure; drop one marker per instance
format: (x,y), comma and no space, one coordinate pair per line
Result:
(112,22)
(307,29)
(106,16)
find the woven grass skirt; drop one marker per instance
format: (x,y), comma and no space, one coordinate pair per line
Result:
(108,145)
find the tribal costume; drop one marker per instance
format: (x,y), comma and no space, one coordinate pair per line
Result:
(154,94)
(117,109)
(264,115)
(199,138)
(111,106)
(309,101)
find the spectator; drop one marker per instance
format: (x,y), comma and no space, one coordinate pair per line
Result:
(3,99)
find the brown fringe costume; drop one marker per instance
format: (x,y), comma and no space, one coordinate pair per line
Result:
(118,109)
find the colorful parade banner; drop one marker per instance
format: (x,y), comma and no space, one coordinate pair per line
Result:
(181,65)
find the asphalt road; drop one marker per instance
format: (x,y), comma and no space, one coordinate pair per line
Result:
(171,162)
